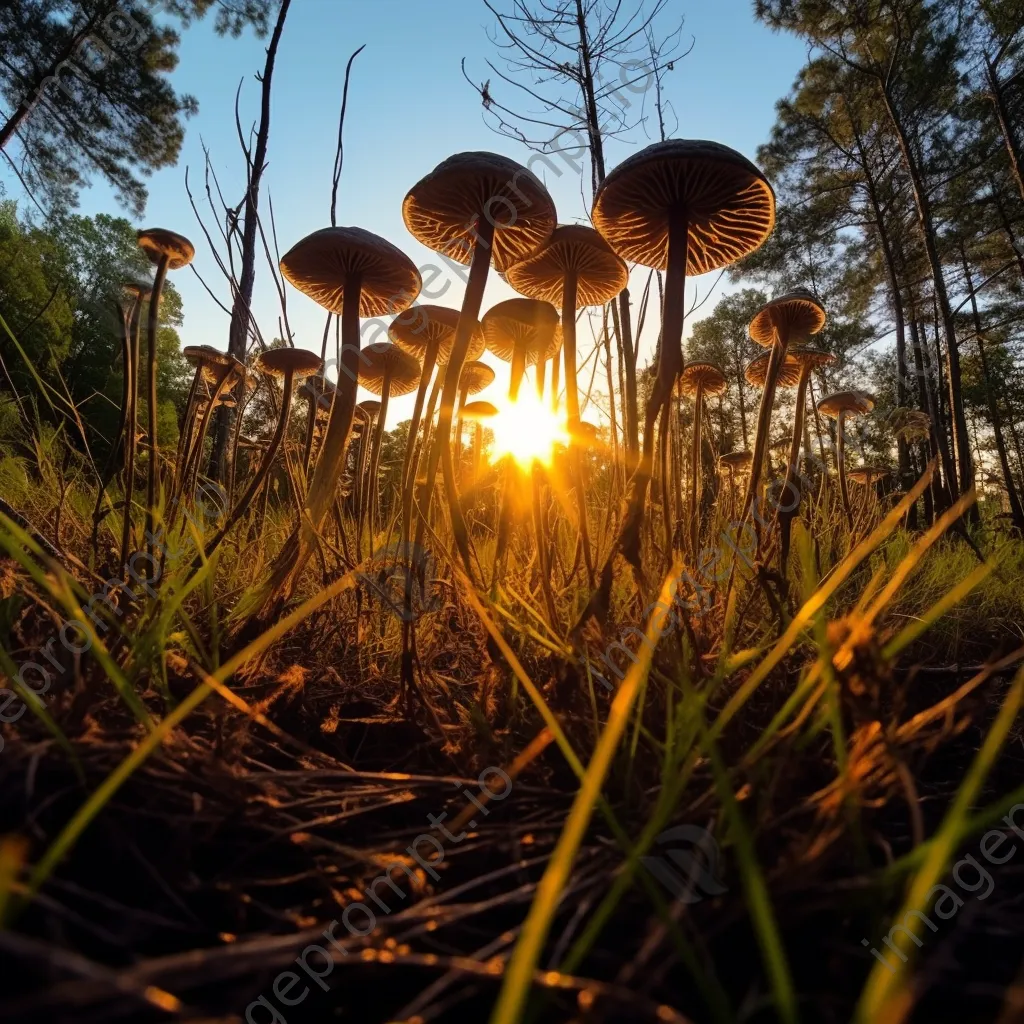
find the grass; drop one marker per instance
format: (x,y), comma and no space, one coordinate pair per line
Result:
(240,791)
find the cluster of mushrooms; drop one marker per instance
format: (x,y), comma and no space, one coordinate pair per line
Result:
(681,207)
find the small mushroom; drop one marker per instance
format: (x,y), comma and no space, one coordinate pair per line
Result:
(475,377)
(385,370)
(287,365)
(520,332)
(685,207)
(788,319)
(696,381)
(838,406)
(478,413)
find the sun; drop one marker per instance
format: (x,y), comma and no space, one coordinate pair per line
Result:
(527,429)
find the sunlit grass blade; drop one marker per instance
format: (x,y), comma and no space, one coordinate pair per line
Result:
(515,988)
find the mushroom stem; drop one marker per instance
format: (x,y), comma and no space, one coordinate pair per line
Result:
(664,482)
(359,488)
(195,460)
(458,427)
(478,451)
(542,548)
(153,481)
(789,504)
(541,373)
(669,361)
(556,365)
(261,474)
(234,444)
(314,406)
(572,402)
(698,426)
(133,416)
(441,449)
(841,461)
(378,437)
(764,419)
(408,472)
(185,433)
(516,372)
(119,437)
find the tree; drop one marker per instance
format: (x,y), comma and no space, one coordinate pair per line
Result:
(85,84)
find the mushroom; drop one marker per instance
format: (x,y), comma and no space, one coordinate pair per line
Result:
(385,370)
(475,377)
(477,413)
(520,332)
(807,359)
(685,207)
(478,209)
(789,318)
(287,365)
(838,406)
(696,381)
(362,431)
(168,251)
(353,273)
(575,267)
(736,462)
(212,368)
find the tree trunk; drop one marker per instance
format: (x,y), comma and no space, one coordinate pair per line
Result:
(238,332)
(1012,149)
(961,440)
(34,88)
(1016,511)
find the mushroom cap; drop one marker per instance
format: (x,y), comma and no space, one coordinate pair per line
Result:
(479,410)
(858,402)
(159,242)
(809,356)
(205,355)
(600,274)
(475,377)
(702,374)
(382,358)
(796,316)
(319,265)
(279,362)
(737,461)
(139,289)
(369,407)
(910,424)
(443,209)
(757,370)
(526,324)
(420,326)
(730,205)
(867,474)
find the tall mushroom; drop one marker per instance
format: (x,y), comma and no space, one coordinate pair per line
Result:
(575,267)
(520,332)
(475,377)
(737,462)
(355,273)
(168,251)
(838,406)
(685,207)
(696,381)
(788,319)
(479,209)
(287,365)
(363,431)
(384,370)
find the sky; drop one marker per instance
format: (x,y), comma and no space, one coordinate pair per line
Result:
(409,108)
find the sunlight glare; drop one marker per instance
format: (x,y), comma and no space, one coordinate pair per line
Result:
(527,429)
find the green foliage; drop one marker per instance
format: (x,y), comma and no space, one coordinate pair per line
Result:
(86,85)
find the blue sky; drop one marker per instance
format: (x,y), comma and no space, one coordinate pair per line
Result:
(409,108)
